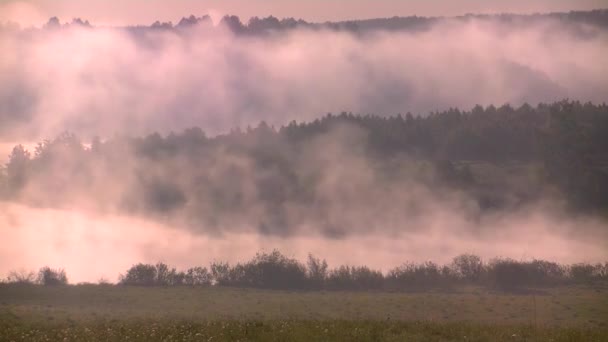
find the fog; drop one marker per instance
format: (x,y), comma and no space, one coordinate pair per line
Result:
(107,81)
(91,246)
(358,217)
(111,82)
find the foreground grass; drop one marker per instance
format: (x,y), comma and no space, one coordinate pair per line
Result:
(288,330)
(106,313)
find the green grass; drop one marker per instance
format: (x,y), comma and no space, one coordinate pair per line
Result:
(84,313)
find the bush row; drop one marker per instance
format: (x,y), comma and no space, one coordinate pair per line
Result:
(276,271)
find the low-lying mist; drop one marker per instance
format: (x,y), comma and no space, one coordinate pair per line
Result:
(102,81)
(333,189)
(91,246)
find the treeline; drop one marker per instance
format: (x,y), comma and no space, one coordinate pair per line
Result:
(258,26)
(276,271)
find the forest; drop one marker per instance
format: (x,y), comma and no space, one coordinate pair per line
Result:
(338,174)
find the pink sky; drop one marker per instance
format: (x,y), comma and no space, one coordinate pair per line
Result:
(110,12)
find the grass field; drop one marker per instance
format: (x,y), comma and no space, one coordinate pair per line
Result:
(90,313)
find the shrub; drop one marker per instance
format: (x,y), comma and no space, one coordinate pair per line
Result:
(198,276)
(468,267)
(317,272)
(273,271)
(508,274)
(52,277)
(582,273)
(21,277)
(423,276)
(221,273)
(140,274)
(354,278)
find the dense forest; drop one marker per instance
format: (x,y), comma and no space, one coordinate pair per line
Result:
(338,174)
(274,270)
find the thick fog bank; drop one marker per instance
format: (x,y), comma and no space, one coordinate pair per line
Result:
(103,81)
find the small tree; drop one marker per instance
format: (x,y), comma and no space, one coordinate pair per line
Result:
(52,277)
(198,276)
(221,272)
(273,270)
(317,271)
(166,276)
(140,274)
(468,266)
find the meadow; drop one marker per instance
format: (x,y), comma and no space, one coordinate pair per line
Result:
(108,312)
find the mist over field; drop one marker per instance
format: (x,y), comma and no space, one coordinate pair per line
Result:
(115,193)
(77,240)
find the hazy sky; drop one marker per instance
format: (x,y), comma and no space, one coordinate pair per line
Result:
(120,12)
